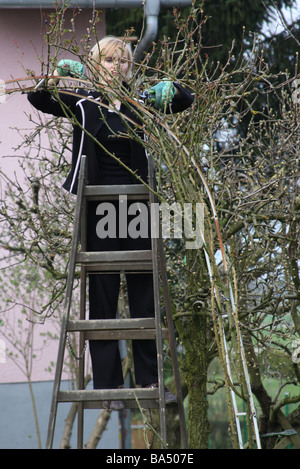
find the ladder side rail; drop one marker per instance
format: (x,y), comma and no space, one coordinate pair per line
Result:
(168,312)
(247,379)
(243,355)
(67,306)
(233,396)
(159,342)
(81,366)
(82,316)
(160,364)
(56,385)
(251,401)
(75,238)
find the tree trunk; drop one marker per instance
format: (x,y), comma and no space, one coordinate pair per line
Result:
(98,430)
(194,338)
(196,379)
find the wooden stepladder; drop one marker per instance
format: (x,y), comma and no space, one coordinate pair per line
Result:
(141,329)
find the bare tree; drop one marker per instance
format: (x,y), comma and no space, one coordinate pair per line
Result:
(237,155)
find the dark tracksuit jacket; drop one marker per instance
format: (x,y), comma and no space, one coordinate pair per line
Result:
(104,288)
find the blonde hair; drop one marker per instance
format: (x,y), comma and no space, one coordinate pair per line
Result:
(108,46)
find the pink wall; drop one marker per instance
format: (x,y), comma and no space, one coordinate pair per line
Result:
(21,42)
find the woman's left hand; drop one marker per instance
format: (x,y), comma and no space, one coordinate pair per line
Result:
(162,94)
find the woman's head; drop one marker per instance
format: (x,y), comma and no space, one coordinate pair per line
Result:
(112,57)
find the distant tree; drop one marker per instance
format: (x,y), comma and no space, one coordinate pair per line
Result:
(225,22)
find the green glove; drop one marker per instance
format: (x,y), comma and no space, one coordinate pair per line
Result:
(162,94)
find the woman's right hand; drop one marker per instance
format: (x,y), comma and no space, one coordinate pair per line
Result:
(54,81)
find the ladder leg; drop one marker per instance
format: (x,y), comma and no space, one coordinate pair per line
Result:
(56,386)
(160,365)
(158,326)
(81,365)
(82,314)
(80,425)
(69,287)
(159,254)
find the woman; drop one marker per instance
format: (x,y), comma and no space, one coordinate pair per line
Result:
(111,60)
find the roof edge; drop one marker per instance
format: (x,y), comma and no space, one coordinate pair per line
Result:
(26,4)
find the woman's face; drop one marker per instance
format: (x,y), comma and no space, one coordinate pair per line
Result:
(114,65)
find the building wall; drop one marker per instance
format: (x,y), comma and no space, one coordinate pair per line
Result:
(21,44)
(17,425)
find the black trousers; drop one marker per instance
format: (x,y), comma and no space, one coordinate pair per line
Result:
(103,304)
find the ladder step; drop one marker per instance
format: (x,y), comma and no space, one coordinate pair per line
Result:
(116,329)
(132,192)
(92,399)
(111,261)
